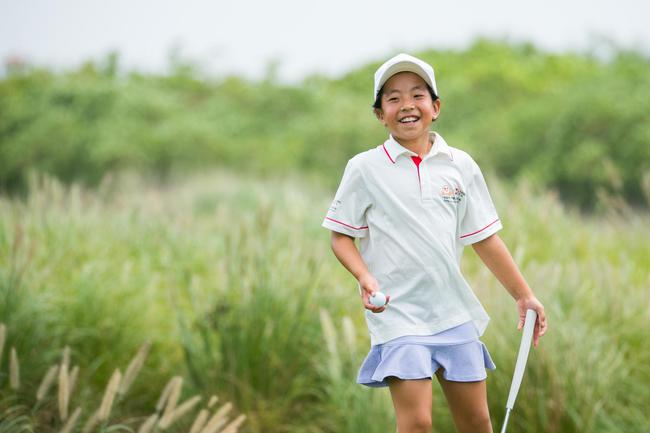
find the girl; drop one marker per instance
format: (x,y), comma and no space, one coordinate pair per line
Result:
(414,202)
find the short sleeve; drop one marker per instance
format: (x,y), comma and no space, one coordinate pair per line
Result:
(347,214)
(480,220)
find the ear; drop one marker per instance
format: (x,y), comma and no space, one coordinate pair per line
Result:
(379,113)
(436,108)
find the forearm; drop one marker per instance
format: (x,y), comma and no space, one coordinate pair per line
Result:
(494,253)
(346,251)
(497,258)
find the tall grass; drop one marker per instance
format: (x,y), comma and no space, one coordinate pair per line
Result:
(46,410)
(232,280)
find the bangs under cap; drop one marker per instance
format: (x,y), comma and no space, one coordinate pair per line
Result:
(404,63)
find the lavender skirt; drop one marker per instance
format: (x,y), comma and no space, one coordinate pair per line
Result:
(457,351)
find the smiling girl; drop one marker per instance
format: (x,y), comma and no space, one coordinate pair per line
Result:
(413,203)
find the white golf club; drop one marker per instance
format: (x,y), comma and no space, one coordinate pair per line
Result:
(522,357)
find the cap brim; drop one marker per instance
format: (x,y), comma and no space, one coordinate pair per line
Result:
(404,67)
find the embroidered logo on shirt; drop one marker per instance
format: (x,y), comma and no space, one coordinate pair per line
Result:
(451,195)
(335,205)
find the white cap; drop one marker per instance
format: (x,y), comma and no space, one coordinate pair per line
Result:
(404,63)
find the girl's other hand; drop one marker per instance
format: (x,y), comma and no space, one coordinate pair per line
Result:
(369,286)
(540,324)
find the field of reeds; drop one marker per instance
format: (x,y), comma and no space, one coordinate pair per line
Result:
(49,407)
(230,284)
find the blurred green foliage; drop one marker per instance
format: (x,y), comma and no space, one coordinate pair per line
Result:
(573,122)
(232,280)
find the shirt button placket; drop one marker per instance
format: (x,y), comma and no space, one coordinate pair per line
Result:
(425,185)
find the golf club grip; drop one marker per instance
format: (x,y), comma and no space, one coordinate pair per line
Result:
(522,357)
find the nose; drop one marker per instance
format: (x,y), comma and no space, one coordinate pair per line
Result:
(407,106)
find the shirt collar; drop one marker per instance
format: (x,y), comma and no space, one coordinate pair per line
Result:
(393,149)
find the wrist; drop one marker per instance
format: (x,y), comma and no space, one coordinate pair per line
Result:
(524,299)
(528,302)
(522,294)
(363,276)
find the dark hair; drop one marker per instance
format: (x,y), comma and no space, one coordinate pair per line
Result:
(377,104)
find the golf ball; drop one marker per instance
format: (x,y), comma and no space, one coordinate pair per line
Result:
(378,299)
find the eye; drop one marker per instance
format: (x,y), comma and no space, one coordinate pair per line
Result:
(419,96)
(392,99)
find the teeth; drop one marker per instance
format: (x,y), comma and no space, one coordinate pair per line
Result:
(409,119)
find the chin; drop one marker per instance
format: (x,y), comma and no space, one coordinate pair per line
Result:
(410,135)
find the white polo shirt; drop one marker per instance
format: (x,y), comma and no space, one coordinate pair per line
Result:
(413,221)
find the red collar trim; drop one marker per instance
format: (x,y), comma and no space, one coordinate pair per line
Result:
(387,154)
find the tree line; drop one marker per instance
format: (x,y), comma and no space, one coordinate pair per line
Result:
(576,123)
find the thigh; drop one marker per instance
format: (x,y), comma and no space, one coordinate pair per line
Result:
(412,399)
(468,404)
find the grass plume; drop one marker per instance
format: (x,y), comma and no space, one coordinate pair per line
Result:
(70,424)
(3,336)
(199,421)
(179,412)
(133,369)
(218,420)
(64,389)
(72,380)
(149,424)
(47,382)
(350,336)
(172,400)
(329,332)
(234,425)
(164,395)
(91,422)
(14,370)
(109,396)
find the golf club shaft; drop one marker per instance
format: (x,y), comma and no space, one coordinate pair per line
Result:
(522,358)
(505,421)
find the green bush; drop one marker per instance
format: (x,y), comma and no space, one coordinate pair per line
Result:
(571,122)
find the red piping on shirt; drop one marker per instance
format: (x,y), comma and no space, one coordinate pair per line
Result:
(479,231)
(344,224)
(417,160)
(387,154)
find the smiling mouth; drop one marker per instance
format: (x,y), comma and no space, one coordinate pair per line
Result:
(409,119)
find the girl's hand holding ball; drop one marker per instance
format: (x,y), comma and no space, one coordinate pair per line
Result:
(378,299)
(373,299)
